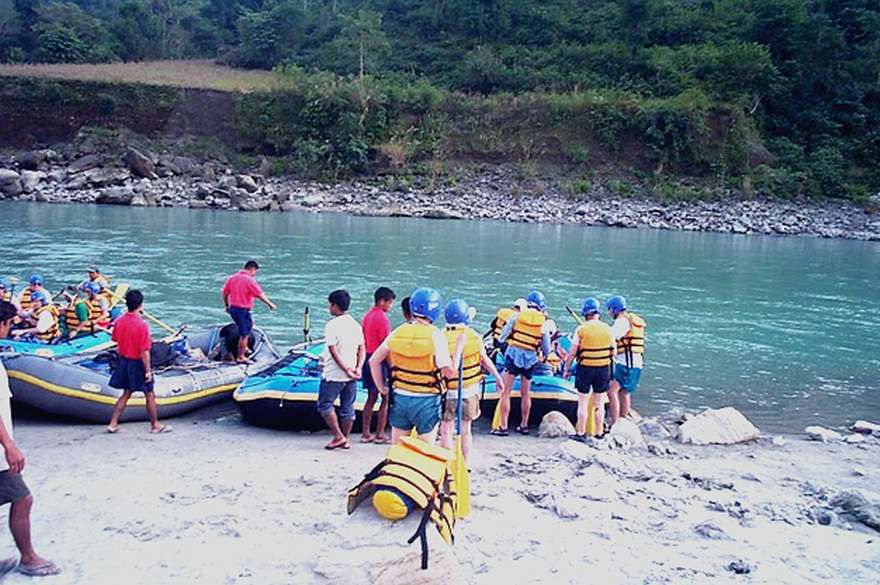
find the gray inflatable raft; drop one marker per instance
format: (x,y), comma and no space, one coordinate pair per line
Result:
(78,386)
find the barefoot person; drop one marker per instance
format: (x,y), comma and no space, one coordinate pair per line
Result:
(13,490)
(525,336)
(343,359)
(239,293)
(629,332)
(376,328)
(133,373)
(418,359)
(474,358)
(594,347)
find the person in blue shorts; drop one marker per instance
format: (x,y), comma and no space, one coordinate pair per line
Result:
(629,334)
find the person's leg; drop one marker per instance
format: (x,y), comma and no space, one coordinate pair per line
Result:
(446,433)
(382,420)
(153,412)
(581,427)
(509,379)
(431,436)
(525,406)
(426,417)
(346,408)
(625,402)
(598,403)
(118,408)
(396,434)
(466,439)
(20,527)
(328,392)
(367,417)
(242,347)
(614,400)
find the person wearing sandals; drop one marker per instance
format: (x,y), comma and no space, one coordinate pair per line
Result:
(133,372)
(376,328)
(238,294)
(343,360)
(524,334)
(13,489)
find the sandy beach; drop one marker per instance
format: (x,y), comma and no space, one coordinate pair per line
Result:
(217,501)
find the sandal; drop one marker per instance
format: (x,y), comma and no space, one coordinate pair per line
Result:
(578,438)
(381,440)
(160,430)
(367,438)
(8,565)
(522,430)
(499,432)
(335,444)
(42,570)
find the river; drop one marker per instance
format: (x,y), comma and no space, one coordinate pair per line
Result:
(781,328)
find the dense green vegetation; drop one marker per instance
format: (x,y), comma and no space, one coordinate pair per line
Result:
(700,85)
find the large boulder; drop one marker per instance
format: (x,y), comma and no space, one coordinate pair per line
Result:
(84,163)
(30,180)
(817,433)
(247,183)
(723,426)
(140,164)
(33,160)
(863,426)
(654,430)
(442,213)
(116,196)
(106,177)
(10,183)
(626,434)
(555,424)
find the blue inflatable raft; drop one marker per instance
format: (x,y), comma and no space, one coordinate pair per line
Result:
(85,343)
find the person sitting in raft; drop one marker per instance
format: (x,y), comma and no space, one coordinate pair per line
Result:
(6,293)
(418,359)
(629,332)
(94,275)
(45,316)
(87,315)
(593,347)
(404,309)
(525,336)
(497,326)
(474,358)
(376,328)
(35,284)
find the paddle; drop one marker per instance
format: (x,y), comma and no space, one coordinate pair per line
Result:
(575,315)
(306,325)
(164,326)
(460,472)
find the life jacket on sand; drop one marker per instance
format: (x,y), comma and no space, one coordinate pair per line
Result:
(413,476)
(411,350)
(526,332)
(595,344)
(634,340)
(471,358)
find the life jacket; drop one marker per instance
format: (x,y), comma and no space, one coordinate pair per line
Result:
(501,319)
(95,314)
(54,331)
(26,299)
(471,358)
(414,475)
(411,349)
(595,344)
(554,361)
(634,340)
(526,332)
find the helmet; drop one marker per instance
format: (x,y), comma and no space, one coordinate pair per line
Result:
(93,287)
(457,311)
(520,304)
(536,299)
(590,306)
(426,302)
(616,304)
(36,279)
(39,296)
(3,284)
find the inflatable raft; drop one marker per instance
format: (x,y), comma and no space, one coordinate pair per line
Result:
(78,386)
(85,343)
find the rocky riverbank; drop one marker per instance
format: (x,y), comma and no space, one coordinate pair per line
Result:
(89,170)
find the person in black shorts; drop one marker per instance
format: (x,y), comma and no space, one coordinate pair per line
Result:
(593,347)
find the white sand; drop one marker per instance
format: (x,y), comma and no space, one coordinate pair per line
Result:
(217,501)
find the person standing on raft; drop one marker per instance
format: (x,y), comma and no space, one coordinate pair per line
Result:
(629,333)
(525,336)
(594,348)
(343,360)
(376,328)
(239,293)
(474,358)
(418,360)
(133,372)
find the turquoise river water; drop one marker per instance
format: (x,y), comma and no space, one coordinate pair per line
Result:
(782,328)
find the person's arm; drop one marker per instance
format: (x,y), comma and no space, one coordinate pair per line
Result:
(546,346)
(508,328)
(376,360)
(82,315)
(224,292)
(490,366)
(573,350)
(145,358)
(451,370)
(362,352)
(14,457)
(266,300)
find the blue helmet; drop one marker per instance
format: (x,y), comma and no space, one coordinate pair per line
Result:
(93,287)
(457,311)
(536,299)
(426,302)
(39,296)
(3,284)
(590,306)
(616,304)
(36,279)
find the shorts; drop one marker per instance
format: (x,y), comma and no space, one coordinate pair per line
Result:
(628,378)
(591,377)
(242,318)
(514,369)
(130,375)
(421,412)
(470,408)
(12,488)
(367,376)
(346,392)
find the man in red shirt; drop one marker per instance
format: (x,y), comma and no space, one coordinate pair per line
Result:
(376,328)
(239,293)
(133,372)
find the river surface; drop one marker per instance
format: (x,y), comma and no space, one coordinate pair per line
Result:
(784,329)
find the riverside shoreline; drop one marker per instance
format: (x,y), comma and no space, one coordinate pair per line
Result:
(218,501)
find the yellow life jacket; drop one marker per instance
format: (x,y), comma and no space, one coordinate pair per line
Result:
(95,314)
(54,331)
(414,475)
(411,349)
(526,332)
(554,361)
(634,340)
(595,344)
(471,358)
(26,299)
(501,319)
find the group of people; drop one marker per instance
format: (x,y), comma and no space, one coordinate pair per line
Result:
(41,316)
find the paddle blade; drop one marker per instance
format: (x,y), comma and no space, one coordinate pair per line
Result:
(496,418)
(118,295)
(413,433)
(462,483)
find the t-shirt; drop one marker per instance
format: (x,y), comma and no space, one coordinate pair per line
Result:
(376,328)
(45,321)
(241,289)
(619,329)
(523,358)
(442,357)
(5,412)
(132,336)
(345,333)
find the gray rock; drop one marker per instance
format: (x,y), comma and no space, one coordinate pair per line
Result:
(184,165)
(34,160)
(84,163)
(116,196)
(724,426)
(778,442)
(442,213)
(12,189)
(626,434)
(140,164)
(247,183)
(654,430)
(8,177)
(198,204)
(106,177)
(30,180)
(208,173)
(203,191)
(854,438)
(711,531)
(312,200)
(76,182)
(740,567)
(555,424)
(138,201)
(818,433)
(863,426)
(859,508)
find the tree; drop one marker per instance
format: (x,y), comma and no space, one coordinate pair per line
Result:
(362,35)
